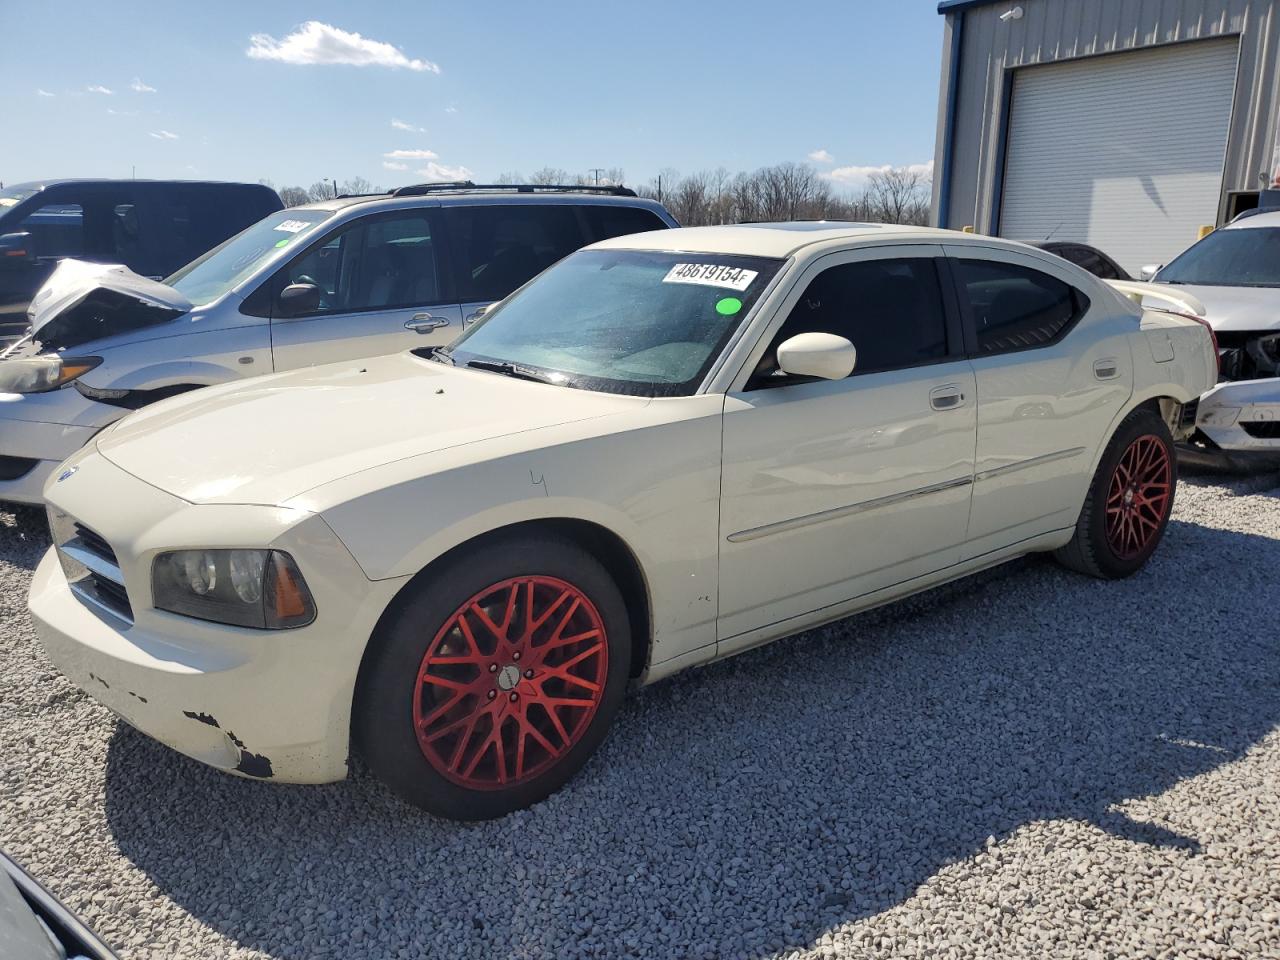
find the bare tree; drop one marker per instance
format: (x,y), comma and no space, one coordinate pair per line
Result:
(294,196)
(510,177)
(321,190)
(550,175)
(358,185)
(898,195)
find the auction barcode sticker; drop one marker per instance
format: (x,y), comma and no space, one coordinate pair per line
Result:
(711,275)
(292,226)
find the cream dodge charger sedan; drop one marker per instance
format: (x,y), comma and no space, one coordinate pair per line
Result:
(666,449)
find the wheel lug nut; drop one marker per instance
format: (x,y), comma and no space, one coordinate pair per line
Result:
(515,697)
(493,668)
(492,694)
(516,655)
(528,674)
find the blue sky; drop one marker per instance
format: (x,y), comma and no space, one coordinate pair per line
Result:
(485,86)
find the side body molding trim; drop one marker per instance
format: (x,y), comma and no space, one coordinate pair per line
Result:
(796,523)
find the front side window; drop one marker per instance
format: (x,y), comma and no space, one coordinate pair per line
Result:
(1240,257)
(498,248)
(623,321)
(373,264)
(890,310)
(207,278)
(1014,307)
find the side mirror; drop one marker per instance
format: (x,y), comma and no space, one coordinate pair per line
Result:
(1149,271)
(817,355)
(17,247)
(299,298)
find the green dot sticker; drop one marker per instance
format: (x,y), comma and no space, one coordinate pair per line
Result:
(728,306)
(282,242)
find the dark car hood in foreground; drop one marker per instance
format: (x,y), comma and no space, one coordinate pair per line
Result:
(27,909)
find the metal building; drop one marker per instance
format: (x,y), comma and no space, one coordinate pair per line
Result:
(1126,124)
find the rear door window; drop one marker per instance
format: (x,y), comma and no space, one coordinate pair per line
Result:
(611,221)
(1014,307)
(498,248)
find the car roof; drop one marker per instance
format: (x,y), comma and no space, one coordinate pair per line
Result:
(110,181)
(781,240)
(1255,218)
(484,197)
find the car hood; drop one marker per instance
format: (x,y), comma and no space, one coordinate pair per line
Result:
(270,439)
(82,302)
(1245,309)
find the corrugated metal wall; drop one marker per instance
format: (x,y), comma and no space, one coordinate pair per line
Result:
(1052,30)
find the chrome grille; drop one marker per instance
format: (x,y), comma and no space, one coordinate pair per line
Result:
(90,566)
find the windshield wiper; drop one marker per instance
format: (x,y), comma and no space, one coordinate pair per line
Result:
(441,355)
(511,370)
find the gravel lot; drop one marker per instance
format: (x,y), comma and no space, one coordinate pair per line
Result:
(1027,763)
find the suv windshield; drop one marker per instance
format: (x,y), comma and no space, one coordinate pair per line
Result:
(206,278)
(622,321)
(1244,257)
(14,196)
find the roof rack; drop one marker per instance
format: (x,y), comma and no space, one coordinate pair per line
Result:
(419,189)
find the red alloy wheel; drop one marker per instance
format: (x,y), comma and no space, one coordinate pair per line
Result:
(1138,498)
(510,682)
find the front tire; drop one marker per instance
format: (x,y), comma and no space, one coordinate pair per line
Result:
(495,680)
(1129,502)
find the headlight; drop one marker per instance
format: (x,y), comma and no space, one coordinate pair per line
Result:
(39,374)
(244,588)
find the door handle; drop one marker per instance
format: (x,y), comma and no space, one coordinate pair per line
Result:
(475,315)
(948,397)
(425,323)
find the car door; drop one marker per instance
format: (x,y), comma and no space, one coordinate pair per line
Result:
(498,247)
(834,489)
(382,289)
(1049,386)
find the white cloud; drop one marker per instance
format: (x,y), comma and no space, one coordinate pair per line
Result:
(858,176)
(139,87)
(164,135)
(41,92)
(98,88)
(406,127)
(121,113)
(320,43)
(439,171)
(412,155)
(821,156)
(392,165)
(450,109)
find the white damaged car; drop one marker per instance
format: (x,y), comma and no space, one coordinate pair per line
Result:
(1235,273)
(667,449)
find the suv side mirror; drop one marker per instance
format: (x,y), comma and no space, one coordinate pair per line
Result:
(1149,271)
(821,355)
(299,298)
(17,247)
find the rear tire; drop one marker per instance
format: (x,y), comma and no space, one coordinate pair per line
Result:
(1129,502)
(495,680)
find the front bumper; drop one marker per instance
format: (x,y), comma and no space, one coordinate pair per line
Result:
(263,704)
(1242,416)
(44,429)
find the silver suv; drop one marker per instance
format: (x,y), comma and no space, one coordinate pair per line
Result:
(344,278)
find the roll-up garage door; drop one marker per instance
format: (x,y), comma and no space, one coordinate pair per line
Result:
(1123,151)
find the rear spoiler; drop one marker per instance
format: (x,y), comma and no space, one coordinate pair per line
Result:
(1182,302)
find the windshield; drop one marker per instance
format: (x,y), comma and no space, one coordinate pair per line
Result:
(13,196)
(622,321)
(206,278)
(1244,257)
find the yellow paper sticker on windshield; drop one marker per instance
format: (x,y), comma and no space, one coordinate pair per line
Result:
(711,275)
